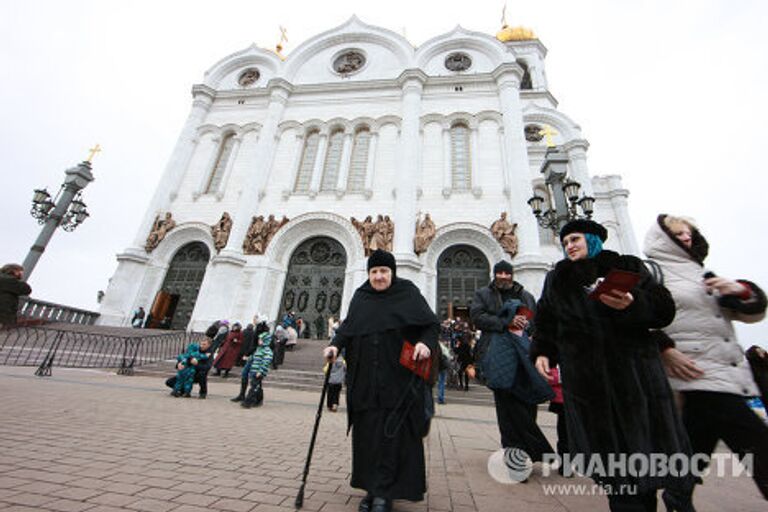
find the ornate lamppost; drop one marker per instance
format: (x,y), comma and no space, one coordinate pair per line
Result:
(564,194)
(67,210)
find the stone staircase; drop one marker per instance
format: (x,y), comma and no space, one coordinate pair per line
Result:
(302,371)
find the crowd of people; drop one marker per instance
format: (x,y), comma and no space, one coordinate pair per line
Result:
(650,368)
(256,348)
(636,358)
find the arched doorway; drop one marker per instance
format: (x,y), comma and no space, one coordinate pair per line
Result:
(173,305)
(315,283)
(461,270)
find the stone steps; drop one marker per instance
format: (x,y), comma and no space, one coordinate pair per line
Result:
(302,371)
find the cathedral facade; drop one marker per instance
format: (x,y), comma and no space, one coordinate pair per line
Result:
(290,170)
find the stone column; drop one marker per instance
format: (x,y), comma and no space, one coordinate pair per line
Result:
(412,83)
(370,167)
(211,146)
(236,141)
(508,78)
(619,203)
(504,169)
(177,165)
(317,169)
(474,155)
(346,154)
(297,156)
(447,163)
(577,154)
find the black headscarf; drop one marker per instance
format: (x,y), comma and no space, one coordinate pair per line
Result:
(398,306)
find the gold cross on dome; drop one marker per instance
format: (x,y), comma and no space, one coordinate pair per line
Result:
(547,133)
(93,151)
(283,34)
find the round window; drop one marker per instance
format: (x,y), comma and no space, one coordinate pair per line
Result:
(248,77)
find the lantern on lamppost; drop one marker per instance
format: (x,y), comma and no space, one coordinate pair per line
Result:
(67,210)
(564,195)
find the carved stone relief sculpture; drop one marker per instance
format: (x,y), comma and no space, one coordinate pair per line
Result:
(260,233)
(504,232)
(254,238)
(220,231)
(375,235)
(425,233)
(160,228)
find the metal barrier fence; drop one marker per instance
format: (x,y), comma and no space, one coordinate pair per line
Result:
(44,346)
(33,309)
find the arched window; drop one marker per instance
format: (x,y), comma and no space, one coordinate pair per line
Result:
(359,160)
(309,154)
(332,161)
(525,83)
(221,164)
(461,171)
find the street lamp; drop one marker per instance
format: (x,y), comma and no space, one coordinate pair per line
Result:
(67,209)
(564,193)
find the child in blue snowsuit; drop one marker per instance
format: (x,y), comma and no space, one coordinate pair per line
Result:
(185,369)
(258,365)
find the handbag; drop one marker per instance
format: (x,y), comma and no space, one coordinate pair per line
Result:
(422,368)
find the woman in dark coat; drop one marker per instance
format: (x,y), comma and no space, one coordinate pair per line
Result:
(230,351)
(616,396)
(386,403)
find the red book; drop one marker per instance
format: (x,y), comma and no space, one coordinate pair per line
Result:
(420,368)
(621,280)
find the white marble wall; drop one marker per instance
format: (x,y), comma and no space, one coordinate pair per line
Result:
(409,100)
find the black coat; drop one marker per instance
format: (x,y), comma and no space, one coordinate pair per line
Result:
(388,407)
(616,394)
(486,305)
(10,290)
(248,345)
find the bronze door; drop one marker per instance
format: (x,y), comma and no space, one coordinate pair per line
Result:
(315,283)
(461,270)
(183,279)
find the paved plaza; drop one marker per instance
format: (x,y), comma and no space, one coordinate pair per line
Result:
(92,440)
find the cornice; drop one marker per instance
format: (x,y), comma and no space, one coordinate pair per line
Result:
(538,94)
(575,144)
(506,68)
(412,74)
(531,43)
(205,90)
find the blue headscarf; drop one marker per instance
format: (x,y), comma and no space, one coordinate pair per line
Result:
(594,245)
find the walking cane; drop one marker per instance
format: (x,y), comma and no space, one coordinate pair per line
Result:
(300,496)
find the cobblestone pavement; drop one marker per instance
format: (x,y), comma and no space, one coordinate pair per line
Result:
(95,441)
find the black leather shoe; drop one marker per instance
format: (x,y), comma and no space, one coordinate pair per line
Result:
(365,504)
(381,505)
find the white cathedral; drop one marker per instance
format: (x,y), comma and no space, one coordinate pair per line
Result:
(355,123)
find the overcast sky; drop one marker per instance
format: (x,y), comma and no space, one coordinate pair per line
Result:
(672,95)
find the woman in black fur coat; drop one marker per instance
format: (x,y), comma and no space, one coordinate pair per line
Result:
(616,396)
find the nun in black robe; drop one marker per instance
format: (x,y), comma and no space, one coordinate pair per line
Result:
(387,405)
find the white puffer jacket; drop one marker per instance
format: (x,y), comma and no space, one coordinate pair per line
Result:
(702,330)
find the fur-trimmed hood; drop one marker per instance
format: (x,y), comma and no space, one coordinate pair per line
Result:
(660,244)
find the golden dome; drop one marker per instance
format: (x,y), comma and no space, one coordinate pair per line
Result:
(508,33)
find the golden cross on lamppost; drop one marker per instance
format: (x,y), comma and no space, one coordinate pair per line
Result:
(279,45)
(547,133)
(93,151)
